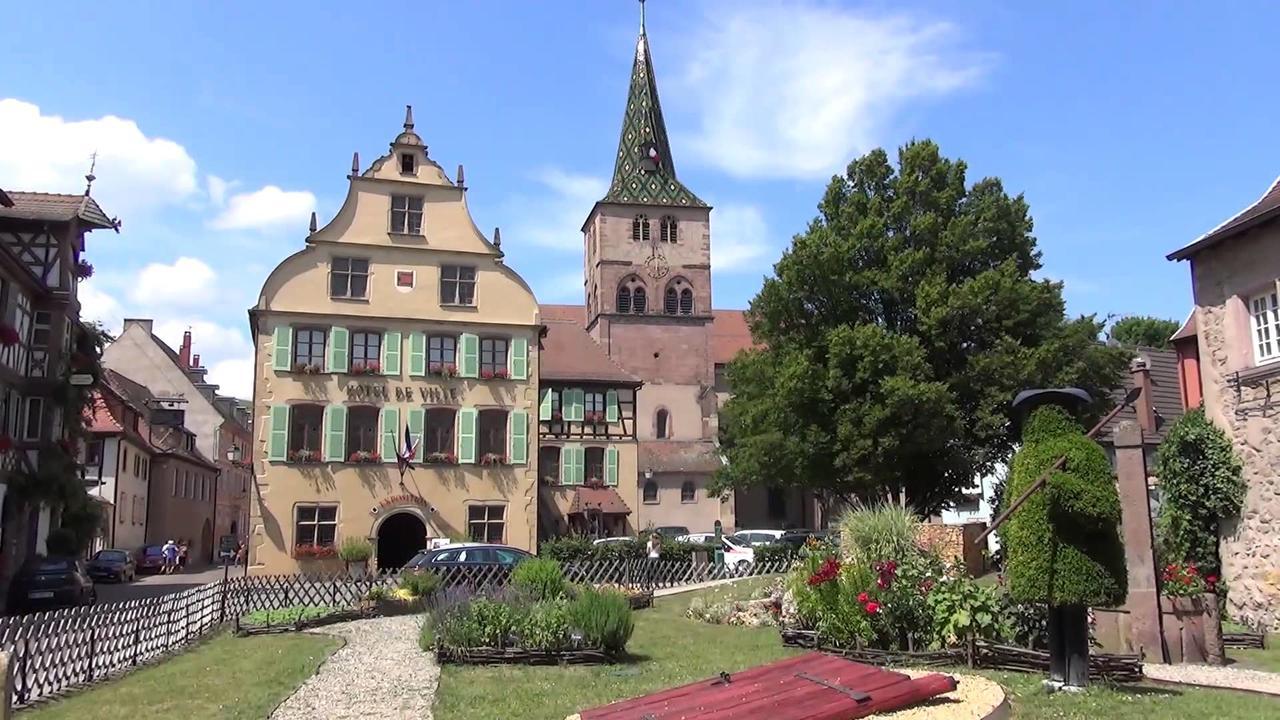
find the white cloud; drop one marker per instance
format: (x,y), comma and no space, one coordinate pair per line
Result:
(48,153)
(269,207)
(554,219)
(188,282)
(98,306)
(234,376)
(739,238)
(217,188)
(795,90)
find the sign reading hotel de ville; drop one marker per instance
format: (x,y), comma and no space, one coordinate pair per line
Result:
(367,392)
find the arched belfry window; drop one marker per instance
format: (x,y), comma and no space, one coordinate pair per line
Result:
(678,298)
(632,297)
(668,229)
(640,228)
(662,424)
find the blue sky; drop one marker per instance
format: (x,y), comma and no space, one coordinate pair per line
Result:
(1131,127)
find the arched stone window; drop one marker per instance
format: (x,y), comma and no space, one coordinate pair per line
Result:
(632,297)
(667,229)
(688,492)
(650,491)
(686,302)
(639,300)
(671,302)
(640,228)
(624,299)
(662,424)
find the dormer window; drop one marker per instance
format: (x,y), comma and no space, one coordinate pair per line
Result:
(406,214)
(408,165)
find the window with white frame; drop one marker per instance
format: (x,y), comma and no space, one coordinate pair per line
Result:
(1265,309)
(406,214)
(315,525)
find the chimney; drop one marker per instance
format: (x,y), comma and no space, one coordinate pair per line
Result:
(145,323)
(184,353)
(1140,377)
(195,361)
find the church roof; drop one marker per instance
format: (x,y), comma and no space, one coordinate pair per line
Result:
(644,171)
(729,335)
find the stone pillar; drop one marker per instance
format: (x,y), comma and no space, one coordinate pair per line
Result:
(1143,602)
(6,673)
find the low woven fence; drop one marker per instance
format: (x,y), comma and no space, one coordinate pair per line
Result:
(986,655)
(53,652)
(518,656)
(1244,640)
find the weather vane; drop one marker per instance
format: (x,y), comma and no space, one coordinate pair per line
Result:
(93,163)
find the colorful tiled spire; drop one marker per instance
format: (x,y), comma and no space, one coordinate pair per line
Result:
(644,172)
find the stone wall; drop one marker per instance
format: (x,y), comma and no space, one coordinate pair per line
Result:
(955,543)
(1224,278)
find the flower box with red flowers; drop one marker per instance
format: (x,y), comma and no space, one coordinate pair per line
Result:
(307,369)
(9,335)
(366,368)
(1186,580)
(501,374)
(593,418)
(314,552)
(304,457)
(364,457)
(442,369)
(557,416)
(84,269)
(493,459)
(438,458)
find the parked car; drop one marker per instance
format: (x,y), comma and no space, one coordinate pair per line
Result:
(52,582)
(797,538)
(113,564)
(150,559)
(671,532)
(737,557)
(467,555)
(758,537)
(701,538)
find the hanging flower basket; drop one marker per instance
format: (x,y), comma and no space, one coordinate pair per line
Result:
(493,459)
(442,459)
(364,457)
(304,457)
(366,368)
(9,335)
(84,269)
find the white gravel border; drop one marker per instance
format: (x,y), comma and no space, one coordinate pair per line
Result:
(1212,676)
(380,673)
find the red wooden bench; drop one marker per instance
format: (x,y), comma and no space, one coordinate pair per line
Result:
(807,687)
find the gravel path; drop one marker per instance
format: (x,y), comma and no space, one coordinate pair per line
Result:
(1214,676)
(380,673)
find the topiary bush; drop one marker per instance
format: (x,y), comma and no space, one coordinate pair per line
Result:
(1200,486)
(603,618)
(1062,546)
(540,579)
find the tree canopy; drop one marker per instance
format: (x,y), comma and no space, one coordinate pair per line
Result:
(1143,330)
(896,330)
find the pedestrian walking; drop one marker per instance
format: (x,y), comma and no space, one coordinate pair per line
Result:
(170,553)
(183,548)
(654,552)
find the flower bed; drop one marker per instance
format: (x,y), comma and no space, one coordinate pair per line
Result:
(639,598)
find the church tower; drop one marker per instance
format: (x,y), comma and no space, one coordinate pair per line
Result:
(648,303)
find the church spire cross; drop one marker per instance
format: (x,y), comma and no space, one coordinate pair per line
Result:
(641,17)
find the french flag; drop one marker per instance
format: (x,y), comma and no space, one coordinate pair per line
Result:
(404,456)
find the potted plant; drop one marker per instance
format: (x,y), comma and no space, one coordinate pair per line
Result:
(442,458)
(1190,604)
(364,457)
(84,269)
(355,552)
(304,457)
(493,459)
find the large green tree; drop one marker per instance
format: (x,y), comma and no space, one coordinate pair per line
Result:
(896,331)
(1143,330)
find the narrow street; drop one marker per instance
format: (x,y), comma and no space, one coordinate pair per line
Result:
(154,585)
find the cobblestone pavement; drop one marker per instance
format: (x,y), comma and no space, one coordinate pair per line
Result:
(380,673)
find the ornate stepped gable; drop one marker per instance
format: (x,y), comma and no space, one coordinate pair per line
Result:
(644,172)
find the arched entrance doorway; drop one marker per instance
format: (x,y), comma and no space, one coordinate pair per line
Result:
(400,537)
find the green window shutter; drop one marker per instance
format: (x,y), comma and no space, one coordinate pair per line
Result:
(390,427)
(579,464)
(335,433)
(391,342)
(417,354)
(611,406)
(282,355)
(544,405)
(575,399)
(518,359)
(566,466)
(339,350)
(467,435)
(518,432)
(611,465)
(278,439)
(417,423)
(469,347)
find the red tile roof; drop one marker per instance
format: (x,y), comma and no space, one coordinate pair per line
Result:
(569,353)
(565,313)
(729,335)
(605,499)
(1265,208)
(56,207)
(101,419)
(691,456)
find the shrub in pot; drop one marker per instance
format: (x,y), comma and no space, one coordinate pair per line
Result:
(355,551)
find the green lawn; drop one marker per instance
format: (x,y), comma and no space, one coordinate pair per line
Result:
(227,677)
(1268,659)
(672,650)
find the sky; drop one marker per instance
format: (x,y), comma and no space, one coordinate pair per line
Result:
(1131,128)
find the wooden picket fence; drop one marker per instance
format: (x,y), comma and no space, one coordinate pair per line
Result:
(53,652)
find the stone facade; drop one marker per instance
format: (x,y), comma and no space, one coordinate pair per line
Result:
(1228,271)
